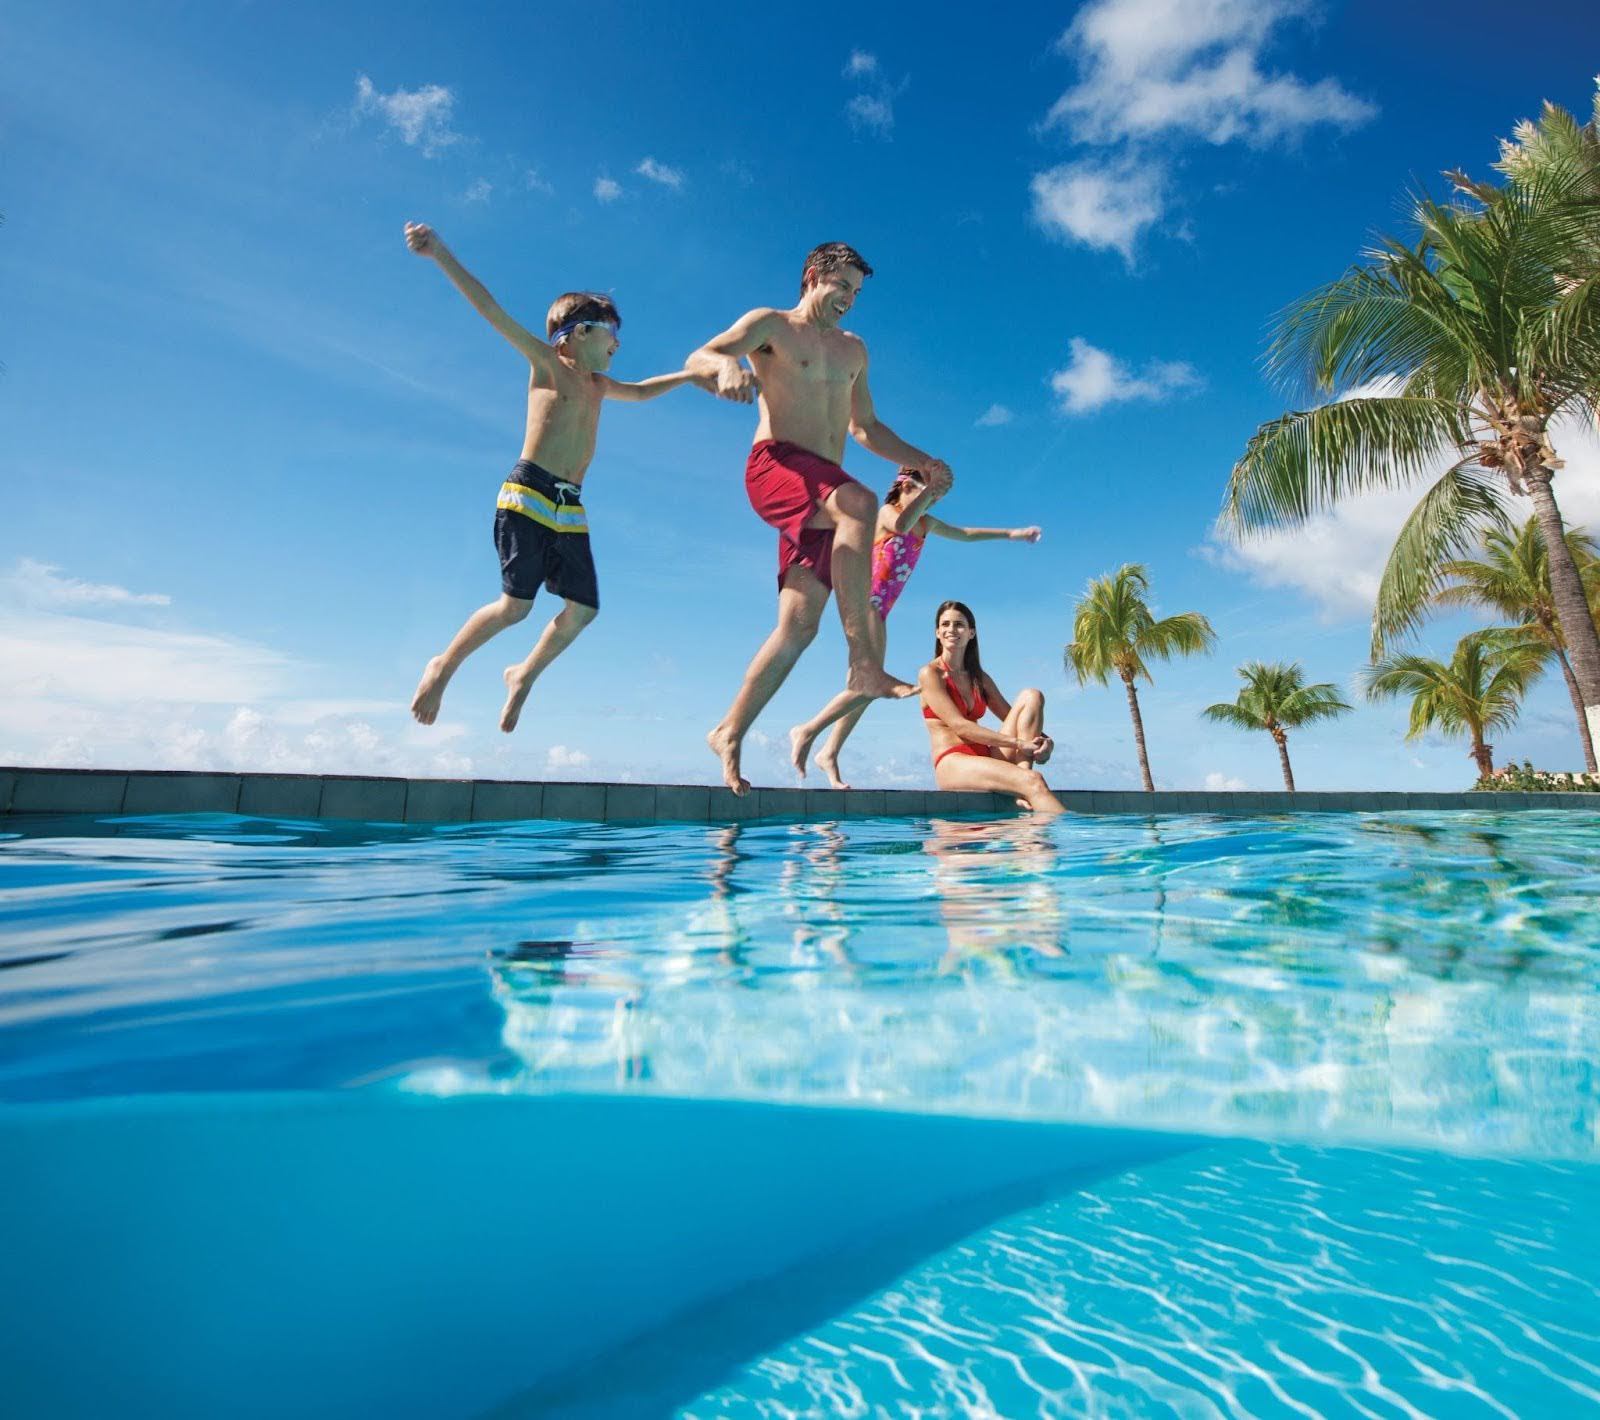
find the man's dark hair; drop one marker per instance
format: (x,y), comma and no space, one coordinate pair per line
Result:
(580,305)
(829,257)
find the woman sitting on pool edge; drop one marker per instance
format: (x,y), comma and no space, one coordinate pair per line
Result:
(956,693)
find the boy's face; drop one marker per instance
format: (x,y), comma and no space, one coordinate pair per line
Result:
(836,291)
(592,345)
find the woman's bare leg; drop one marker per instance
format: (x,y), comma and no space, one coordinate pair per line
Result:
(1025,723)
(971,771)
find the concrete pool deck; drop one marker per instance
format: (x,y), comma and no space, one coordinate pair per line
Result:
(375,799)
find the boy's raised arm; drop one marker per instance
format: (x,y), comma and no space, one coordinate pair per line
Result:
(718,359)
(425,242)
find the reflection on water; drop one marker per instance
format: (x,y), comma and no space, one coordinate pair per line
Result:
(1418,977)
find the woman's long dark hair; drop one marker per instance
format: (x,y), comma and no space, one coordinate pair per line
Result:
(970,662)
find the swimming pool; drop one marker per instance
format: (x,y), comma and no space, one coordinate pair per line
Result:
(1110,1116)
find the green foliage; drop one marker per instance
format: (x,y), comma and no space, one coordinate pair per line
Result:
(1477,693)
(1525,779)
(1275,697)
(1114,631)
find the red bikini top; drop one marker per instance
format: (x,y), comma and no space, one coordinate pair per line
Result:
(980,707)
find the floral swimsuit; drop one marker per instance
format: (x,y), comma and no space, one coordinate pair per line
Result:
(894,558)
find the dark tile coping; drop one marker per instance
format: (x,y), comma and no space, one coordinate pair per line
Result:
(375,799)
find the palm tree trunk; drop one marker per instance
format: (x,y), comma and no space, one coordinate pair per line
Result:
(1483,756)
(1138,734)
(1282,741)
(1584,737)
(1572,607)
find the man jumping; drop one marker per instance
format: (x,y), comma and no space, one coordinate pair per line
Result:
(810,379)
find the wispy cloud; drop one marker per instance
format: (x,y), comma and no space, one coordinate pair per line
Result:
(534,183)
(1168,72)
(605,190)
(420,116)
(1224,783)
(560,757)
(871,110)
(660,173)
(478,190)
(1102,203)
(994,416)
(1093,379)
(39,584)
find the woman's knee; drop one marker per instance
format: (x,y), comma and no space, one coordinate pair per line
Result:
(1031,698)
(1033,782)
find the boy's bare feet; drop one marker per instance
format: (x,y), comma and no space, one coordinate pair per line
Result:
(430,692)
(829,765)
(726,748)
(876,683)
(517,686)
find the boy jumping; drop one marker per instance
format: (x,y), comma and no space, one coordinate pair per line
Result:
(811,379)
(540,530)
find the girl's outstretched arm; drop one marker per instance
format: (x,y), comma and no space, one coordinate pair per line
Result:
(960,534)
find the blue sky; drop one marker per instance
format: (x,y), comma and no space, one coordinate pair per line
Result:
(249,446)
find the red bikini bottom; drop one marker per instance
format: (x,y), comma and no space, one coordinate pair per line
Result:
(982,751)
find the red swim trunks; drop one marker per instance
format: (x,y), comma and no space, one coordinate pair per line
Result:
(785,484)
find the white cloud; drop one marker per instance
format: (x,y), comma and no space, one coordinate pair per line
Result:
(479,190)
(560,757)
(859,63)
(420,116)
(740,171)
(1149,68)
(1103,203)
(1336,558)
(1093,379)
(38,584)
(1223,784)
(660,173)
(534,183)
(994,416)
(605,190)
(873,113)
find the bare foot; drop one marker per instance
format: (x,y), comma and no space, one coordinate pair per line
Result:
(876,683)
(829,765)
(517,686)
(726,748)
(799,748)
(430,692)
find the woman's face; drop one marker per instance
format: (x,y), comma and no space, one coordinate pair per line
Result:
(953,631)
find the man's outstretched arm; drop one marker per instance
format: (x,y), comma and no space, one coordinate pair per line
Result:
(877,437)
(718,359)
(425,242)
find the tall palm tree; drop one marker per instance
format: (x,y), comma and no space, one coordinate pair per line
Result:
(1511,576)
(1276,699)
(1478,693)
(1115,632)
(1447,359)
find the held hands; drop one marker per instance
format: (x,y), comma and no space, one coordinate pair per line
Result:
(735,382)
(937,474)
(1040,748)
(422,239)
(1025,534)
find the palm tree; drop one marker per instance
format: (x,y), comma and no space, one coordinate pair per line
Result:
(1452,354)
(1276,699)
(1478,693)
(1511,576)
(1114,631)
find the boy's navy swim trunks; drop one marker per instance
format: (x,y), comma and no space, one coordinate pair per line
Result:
(542,535)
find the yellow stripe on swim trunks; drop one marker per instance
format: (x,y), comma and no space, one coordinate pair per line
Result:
(531,503)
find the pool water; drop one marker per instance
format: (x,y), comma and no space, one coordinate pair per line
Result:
(1356,1056)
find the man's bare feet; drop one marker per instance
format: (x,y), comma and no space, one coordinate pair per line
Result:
(726,748)
(517,686)
(430,692)
(799,748)
(829,765)
(876,683)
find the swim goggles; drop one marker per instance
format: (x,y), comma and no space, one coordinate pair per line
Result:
(561,332)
